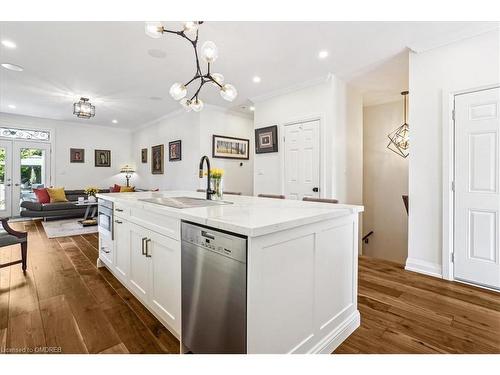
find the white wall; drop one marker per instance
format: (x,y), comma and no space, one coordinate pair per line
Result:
(77,134)
(470,63)
(195,130)
(339,109)
(238,178)
(385,179)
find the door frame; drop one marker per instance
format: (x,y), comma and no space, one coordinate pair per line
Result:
(448,176)
(8,145)
(322,148)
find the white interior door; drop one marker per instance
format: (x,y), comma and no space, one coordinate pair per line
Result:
(302,155)
(477,198)
(5,178)
(30,170)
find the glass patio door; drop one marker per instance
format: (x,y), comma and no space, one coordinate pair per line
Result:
(30,170)
(5,178)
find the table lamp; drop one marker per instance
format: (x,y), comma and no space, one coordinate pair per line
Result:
(128,170)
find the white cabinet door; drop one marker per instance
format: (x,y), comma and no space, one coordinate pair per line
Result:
(302,149)
(477,197)
(165,283)
(122,249)
(139,263)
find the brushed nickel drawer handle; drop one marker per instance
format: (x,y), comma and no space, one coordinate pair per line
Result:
(118,222)
(144,251)
(148,255)
(119,209)
(103,249)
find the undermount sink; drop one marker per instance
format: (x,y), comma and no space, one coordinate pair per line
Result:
(184,202)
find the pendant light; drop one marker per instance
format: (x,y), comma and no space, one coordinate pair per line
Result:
(208,54)
(83,109)
(399,141)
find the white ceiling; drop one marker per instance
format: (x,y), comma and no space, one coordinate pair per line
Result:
(127,75)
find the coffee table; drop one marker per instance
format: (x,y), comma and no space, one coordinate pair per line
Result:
(90,213)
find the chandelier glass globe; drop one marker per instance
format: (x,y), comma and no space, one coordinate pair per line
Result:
(178,91)
(219,78)
(209,51)
(186,104)
(197,105)
(153,29)
(228,92)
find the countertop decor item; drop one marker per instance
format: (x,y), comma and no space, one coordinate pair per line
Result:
(209,54)
(83,109)
(127,170)
(216,179)
(399,141)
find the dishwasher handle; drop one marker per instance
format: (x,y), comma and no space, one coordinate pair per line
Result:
(206,234)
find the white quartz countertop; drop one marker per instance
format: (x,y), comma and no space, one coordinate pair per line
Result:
(250,216)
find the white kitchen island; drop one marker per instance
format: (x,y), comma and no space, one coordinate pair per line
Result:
(301,264)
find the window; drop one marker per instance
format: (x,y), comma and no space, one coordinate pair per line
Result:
(35,135)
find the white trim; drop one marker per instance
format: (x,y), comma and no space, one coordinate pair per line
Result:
(423,266)
(448,124)
(292,88)
(337,337)
(322,151)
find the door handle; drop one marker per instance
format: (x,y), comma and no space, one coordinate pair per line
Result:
(8,185)
(315,189)
(148,255)
(17,184)
(143,250)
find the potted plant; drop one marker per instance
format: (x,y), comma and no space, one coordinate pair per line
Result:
(91,191)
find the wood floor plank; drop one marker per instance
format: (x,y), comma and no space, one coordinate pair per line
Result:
(117,349)
(25,333)
(61,329)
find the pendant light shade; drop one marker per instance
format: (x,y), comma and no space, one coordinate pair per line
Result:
(228,92)
(399,140)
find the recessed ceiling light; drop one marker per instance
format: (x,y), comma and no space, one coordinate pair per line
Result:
(13,67)
(11,106)
(323,54)
(8,44)
(114,121)
(251,108)
(256,79)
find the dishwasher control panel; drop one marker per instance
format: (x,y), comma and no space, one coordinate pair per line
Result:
(211,239)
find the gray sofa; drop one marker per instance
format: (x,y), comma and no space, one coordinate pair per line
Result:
(58,209)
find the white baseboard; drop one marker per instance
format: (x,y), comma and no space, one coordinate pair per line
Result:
(337,337)
(422,266)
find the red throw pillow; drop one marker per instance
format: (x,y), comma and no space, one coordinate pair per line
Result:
(116,188)
(42,195)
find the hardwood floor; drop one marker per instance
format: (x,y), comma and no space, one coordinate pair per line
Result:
(406,312)
(65,304)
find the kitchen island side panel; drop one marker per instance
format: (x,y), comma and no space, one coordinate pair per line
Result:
(302,288)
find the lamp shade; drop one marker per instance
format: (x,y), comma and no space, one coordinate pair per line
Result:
(127,169)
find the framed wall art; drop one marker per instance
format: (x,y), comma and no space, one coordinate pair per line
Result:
(157,159)
(266,140)
(144,155)
(230,147)
(102,158)
(77,155)
(175,150)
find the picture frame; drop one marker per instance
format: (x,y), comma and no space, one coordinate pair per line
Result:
(77,155)
(102,158)
(266,139)
(157,159)
(224,147)
(175,150)
(144,155)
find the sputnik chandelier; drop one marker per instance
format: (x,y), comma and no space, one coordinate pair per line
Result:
(209,54)
(399,140)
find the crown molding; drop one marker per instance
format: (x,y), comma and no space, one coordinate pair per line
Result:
(25,120)
(292,88)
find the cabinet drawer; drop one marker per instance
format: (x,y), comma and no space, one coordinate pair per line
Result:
(159,223)
(121,210)
(106,249)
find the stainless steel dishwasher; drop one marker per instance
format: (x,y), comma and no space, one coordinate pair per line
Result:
(214,283)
